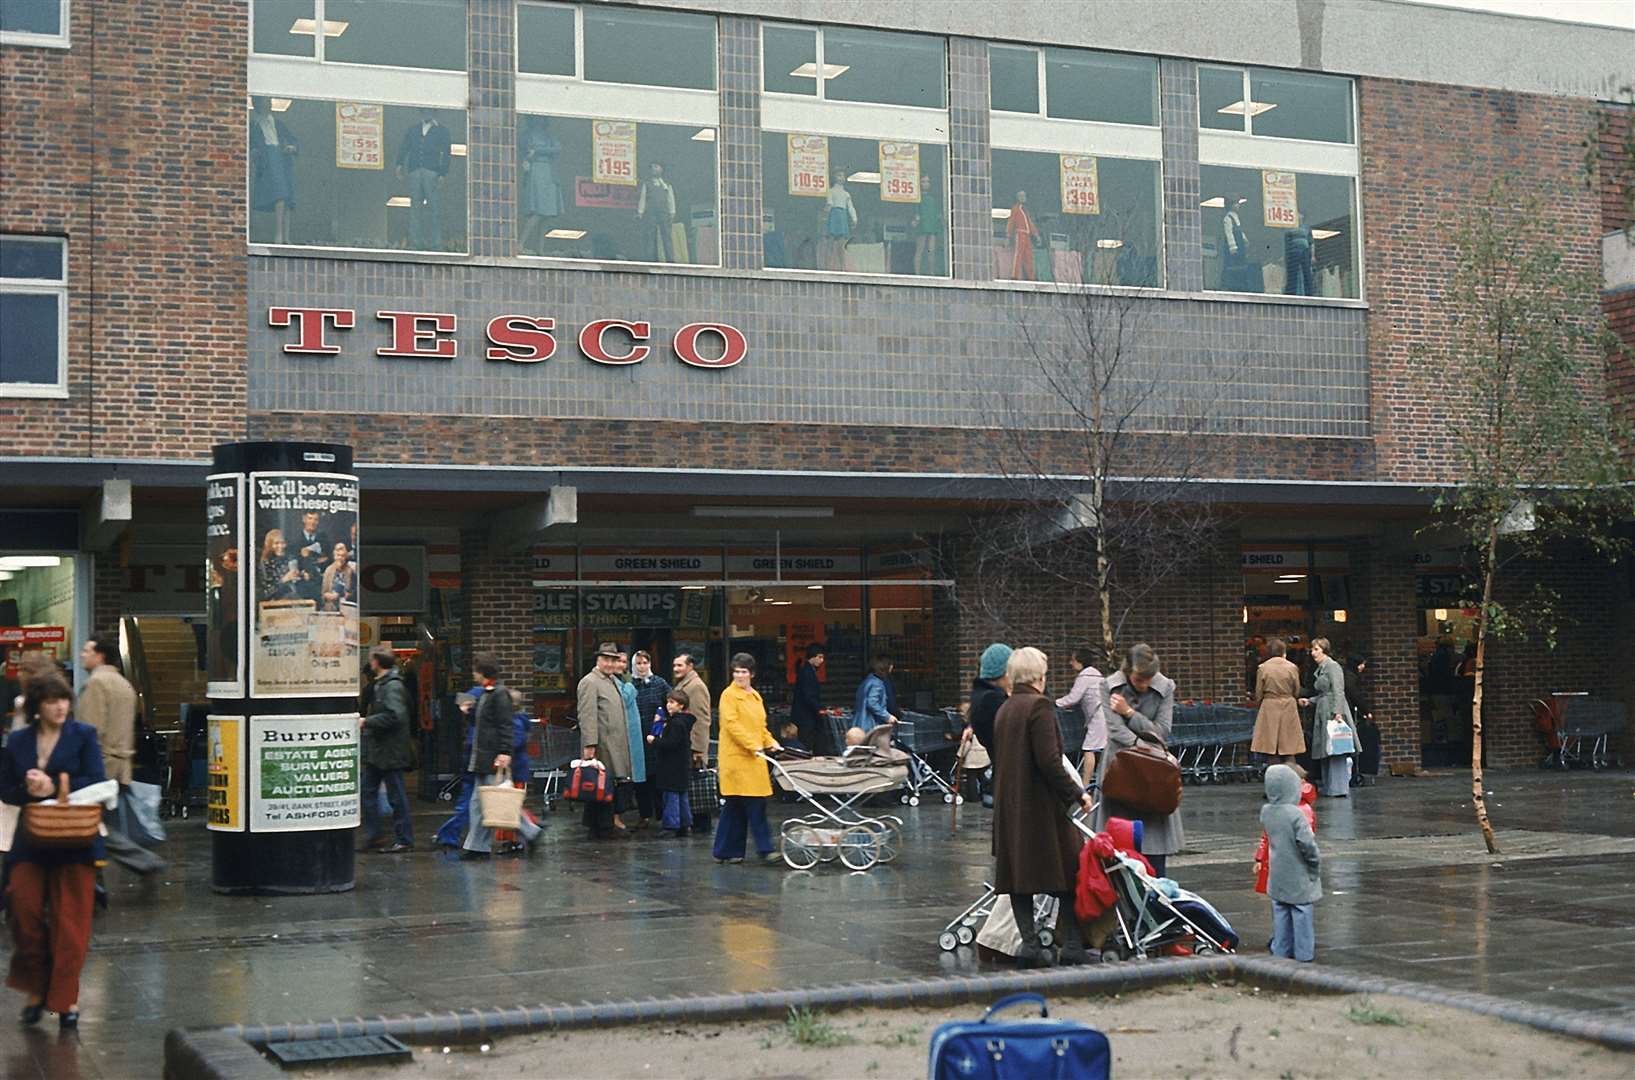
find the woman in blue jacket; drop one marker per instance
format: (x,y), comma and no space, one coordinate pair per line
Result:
(48,953)
(875,699)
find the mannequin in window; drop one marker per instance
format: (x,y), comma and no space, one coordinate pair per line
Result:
(840,217)
(656,209)
(1298,280)
(541,194)
(928,231)
(272,167)
(1023,234)
(1235,269)
(423,158)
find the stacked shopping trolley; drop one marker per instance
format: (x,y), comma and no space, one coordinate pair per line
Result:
(1211,741)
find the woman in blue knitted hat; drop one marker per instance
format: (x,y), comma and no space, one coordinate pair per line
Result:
(989,690)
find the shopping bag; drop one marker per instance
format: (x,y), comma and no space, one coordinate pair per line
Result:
(501,804)
(1340,738)
(704,790)
(993,1049)
(588,782)
(142,821)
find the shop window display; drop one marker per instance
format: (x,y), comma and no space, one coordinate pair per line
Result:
(1076,219)
(617,190)
(354,174)
(872,206)
(1280,232)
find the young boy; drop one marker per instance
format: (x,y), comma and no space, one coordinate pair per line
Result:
(1293,881)
(789,738)
(672,761)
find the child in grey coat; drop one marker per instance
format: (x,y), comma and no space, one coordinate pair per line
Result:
(1293,882)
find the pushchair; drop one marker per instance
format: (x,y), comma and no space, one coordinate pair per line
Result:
(837,828)
(920,735)
(1149,916)
(968,923)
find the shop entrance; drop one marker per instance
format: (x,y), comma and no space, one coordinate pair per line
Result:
(43,615)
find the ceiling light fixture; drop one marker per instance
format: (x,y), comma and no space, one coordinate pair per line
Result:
(399,200)
(694,588)
(457,149)
(565,234)
(1219,202)
(1339,614)
(1324,234)
(6,575)
(309,27)
(814,587)
(764,511)
(1255,108)
(704,135)
(1107,245)
(281,104)
(864,178)
(29,562)
(808,70)
(1001,213)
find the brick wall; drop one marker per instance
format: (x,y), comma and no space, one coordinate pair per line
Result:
(131,144)
(1615,169)
(499,597)
(1427,153)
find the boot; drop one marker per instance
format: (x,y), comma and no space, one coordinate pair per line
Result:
(1067,924)
(1031,954)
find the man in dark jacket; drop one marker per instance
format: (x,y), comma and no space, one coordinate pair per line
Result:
(386,753)
(809,701)
(423,160)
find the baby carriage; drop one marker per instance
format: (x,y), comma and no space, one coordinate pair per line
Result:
(837,828)
(1153,913)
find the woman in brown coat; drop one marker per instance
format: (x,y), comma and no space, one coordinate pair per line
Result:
(1277,686)
(1036,849)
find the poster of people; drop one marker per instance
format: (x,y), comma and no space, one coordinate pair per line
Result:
(304,637)
(224,795)
(304,773)
(223,598)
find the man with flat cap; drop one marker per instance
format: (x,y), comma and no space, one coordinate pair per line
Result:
(603,737)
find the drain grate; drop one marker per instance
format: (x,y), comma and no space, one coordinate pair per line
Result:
(359,1048)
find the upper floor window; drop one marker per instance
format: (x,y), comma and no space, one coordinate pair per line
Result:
(835,63)
(34,22)
(616,126)
(1073,84)
(34,312)
(1076,164)
(1276,104)
(428,34)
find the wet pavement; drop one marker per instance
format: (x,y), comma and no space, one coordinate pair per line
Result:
(1411,895)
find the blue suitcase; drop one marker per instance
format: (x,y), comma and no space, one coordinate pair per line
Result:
(1041,1049)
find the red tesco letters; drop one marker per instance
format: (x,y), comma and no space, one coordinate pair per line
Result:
(520,339)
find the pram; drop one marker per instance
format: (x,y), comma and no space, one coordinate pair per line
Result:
(918,734)
(1149,918)
(833,788)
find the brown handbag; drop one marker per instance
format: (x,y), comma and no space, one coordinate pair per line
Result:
(61,824)
(1144,779)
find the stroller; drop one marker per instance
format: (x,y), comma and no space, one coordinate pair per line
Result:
(1152,913)
(837,828)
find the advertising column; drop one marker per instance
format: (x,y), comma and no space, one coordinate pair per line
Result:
(281,526)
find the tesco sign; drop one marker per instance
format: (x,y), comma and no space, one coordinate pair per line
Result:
(519,339)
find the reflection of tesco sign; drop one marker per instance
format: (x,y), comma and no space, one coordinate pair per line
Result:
(521,339)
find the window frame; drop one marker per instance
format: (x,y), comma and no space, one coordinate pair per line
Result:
(598,88)
(822,96)
(1042,87)
(59,40)
(1262,153)
(57,287)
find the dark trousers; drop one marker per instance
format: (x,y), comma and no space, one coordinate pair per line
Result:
(50,949)
(741,811)
(599,818)
(647,799)
(396,794)
(656,233)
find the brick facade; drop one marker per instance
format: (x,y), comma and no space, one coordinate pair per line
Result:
(499,598)
(1427,153)
(131,144)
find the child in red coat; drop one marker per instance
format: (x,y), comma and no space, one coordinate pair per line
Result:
(1308,806)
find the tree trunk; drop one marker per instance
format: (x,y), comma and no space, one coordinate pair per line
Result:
(1478,799)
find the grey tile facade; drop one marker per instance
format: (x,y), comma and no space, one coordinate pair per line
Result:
(885,352)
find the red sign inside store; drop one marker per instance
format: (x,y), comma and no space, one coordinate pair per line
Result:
(519,339)
(17,640)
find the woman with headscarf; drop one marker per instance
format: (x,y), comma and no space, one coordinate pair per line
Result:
(1138,701)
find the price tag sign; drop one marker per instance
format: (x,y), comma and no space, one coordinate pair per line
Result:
(809,165)
(1277,195)
(613,151)
(359,136)
(900,172)
(1081,187)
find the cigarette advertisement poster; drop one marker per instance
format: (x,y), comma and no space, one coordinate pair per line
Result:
(304,641)
(360,138)
(1081,188)
(304,773)
(223,596)
(899,172)
(1277,196)
(224,805)
(614,152)
(809,165)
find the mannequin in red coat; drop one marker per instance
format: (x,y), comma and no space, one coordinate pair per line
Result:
(1022,235)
